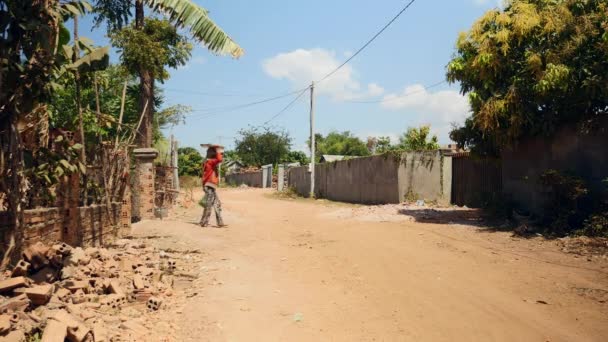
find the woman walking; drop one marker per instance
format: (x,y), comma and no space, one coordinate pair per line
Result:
(215,155)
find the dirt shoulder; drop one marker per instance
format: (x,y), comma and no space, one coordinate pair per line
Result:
(300,270)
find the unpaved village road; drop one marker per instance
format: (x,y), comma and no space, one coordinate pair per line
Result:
(294,270)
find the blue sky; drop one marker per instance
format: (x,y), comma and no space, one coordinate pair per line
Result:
(289,43)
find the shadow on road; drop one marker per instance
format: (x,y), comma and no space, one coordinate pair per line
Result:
(460,216)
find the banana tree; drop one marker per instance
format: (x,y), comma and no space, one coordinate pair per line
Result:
(183,13)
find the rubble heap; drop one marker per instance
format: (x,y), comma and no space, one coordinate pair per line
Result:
(62,293)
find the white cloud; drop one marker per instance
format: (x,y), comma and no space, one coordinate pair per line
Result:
(302,66)
(374,89)
(439,109)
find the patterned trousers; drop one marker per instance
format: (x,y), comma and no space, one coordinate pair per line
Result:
(213,203)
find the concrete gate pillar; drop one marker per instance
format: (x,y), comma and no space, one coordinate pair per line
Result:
(143,191)
(281,177)
(266,176)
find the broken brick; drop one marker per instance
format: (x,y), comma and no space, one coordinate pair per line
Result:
(55,331)
(63,294)
(19,303)
(115,288)
(45,275)
(79,297)
(5,324)
(12,283)
(76,330)
(138,282)
(36,255)
(74,285)
(38,295)
(154,303)
(100,333)
(21,269)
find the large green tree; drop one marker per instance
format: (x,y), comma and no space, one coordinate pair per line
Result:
(340,143)
(531,67)
(262,146)
(183,13)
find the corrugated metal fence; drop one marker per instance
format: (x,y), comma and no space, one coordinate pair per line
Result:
(475,180)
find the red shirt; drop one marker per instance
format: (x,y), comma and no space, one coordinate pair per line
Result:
(210,174)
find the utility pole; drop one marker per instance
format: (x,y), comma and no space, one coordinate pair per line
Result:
(312,140)
(174,163)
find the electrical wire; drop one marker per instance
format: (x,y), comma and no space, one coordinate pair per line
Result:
(187,91)
(286,107)
(220,110)
(368,42)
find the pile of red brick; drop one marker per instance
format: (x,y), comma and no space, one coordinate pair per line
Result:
(62,293)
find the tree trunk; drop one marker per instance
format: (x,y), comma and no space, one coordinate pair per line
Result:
(139,14)
(146,105)
(146,90)
(83,156)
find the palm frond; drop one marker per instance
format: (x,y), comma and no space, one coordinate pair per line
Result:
(195,18)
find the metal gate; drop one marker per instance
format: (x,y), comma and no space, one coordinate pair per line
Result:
(475,180)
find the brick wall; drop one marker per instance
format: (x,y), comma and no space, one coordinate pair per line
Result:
(93,226)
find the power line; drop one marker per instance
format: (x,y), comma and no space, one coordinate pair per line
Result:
(368,42)
(401,96)
(220,110)
(287,107)
(187,91)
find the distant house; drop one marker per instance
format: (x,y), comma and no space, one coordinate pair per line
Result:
(234,166)
(451,148)
(328,158)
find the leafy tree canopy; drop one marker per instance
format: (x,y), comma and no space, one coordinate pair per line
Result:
(336,143)
(297,157)
(262,146)
(189,160)
(157,46)
(383,145)
(115,13)
(110,83)
(418,139)
(380,145)
(532,67)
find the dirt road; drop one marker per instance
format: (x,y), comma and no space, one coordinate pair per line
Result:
(302,271)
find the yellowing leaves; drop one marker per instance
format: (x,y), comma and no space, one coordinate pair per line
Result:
(525,18)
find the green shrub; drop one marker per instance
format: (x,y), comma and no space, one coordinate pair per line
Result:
(497,206)
(572,207)
(595,225)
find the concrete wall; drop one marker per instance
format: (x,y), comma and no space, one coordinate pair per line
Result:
(372,180)
(252,179)
(378,179)
(568,151)
(298,179)
(425,175)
